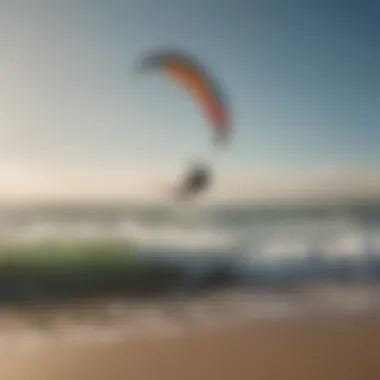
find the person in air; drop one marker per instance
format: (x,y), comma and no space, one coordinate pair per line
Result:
(195,182)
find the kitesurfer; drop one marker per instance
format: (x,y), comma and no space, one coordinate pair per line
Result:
(195,182)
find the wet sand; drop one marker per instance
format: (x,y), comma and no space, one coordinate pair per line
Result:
(337,348)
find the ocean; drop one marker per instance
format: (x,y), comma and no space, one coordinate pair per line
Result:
(286,261)
(303,243)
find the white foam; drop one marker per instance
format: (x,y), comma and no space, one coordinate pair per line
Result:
(174,237)
(271,242)
(280,250)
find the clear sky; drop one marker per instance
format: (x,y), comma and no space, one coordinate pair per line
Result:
(302,77)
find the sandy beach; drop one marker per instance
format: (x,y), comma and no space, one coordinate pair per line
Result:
(329,348)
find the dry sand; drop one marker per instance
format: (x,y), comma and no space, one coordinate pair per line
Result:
(340,348)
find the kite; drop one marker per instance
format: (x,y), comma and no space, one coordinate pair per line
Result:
(194,78)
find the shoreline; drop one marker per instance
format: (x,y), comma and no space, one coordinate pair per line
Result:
(340,348)
(114,320)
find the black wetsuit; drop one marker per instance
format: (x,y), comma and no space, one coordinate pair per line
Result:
(196,181)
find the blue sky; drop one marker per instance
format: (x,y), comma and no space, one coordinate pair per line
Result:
(302,77)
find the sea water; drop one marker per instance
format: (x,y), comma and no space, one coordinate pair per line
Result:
(292,261)
(324,242)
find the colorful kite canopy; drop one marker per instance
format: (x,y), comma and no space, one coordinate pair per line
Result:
(194,78)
